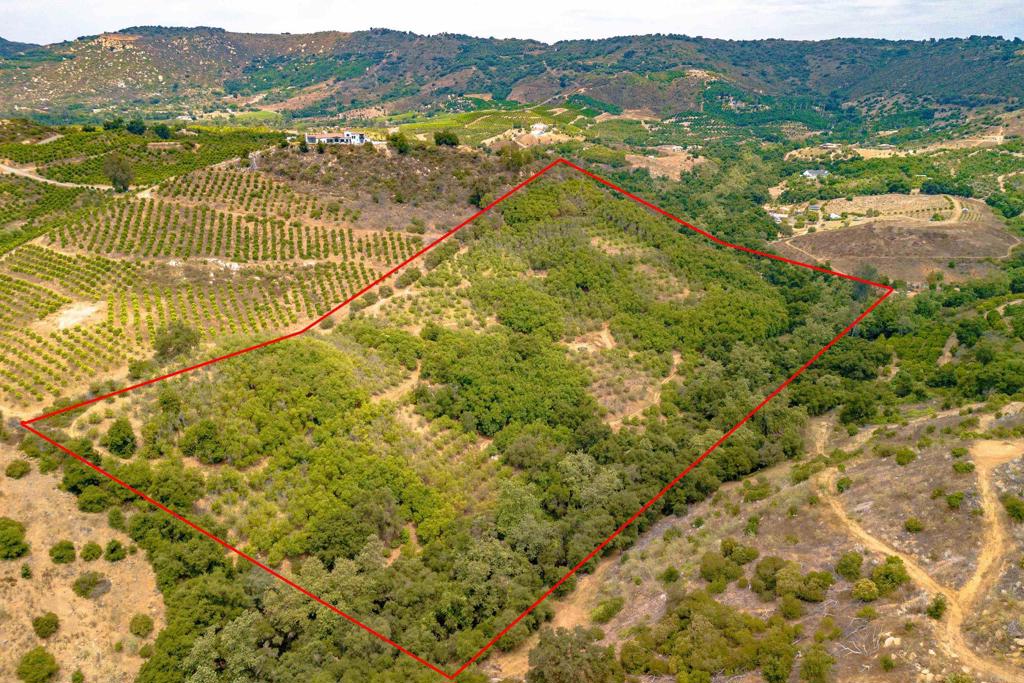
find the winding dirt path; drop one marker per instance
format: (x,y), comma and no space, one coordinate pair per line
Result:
(987,455)
(31,173)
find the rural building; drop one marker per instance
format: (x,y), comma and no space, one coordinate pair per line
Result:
(346,137)
(539,129)
(815,173)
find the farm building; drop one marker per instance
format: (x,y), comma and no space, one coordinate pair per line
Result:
(815,173)
(346,137)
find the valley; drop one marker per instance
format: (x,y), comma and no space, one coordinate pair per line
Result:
(552,279)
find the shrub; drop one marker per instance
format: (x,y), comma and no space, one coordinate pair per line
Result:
(913,525)
(849,565)
(887,663)
(867,612)
(93,499)
(937,607)
(670,575)
(958,677)
(790,606)
(1014,507)
(91,551)
(816,666)
(955,500)
(46,625)
(120,438)
(890,575)
(737,552)
(606,610)
(843,483)
(63,552)
(865,590)
(18,469)
(137,369)
(78,677)
(715,566)
(142,625)
(446,138)
(91,585)
(12,539)
(905,456)
(37,666)
(963,467)
(115,551)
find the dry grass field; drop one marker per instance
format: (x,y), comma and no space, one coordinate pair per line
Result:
(905,246)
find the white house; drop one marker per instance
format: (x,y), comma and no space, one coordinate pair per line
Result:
(343,138)
(815,173)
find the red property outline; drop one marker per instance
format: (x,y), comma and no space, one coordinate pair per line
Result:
(27,424)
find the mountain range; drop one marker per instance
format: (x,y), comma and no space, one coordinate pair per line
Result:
(157,69)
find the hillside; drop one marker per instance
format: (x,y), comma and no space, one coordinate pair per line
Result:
(173,70)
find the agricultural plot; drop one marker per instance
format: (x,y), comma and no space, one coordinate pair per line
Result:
(154,228)
(515,434)
(78,156)
(911,250)
(229,252)
(475,128)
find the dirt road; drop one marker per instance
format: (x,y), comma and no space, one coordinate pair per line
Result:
(31,173)
(987,455)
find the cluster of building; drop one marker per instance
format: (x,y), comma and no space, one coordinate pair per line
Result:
(346,137)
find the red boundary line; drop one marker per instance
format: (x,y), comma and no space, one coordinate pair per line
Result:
(27,424)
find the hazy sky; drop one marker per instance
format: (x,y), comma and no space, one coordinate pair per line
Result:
(44,21)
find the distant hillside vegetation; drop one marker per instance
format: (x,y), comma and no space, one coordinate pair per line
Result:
(171,70)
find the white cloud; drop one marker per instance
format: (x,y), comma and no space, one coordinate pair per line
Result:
(53,20)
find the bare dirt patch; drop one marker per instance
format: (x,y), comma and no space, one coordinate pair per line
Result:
(89,629)
(629,114)
(907,250)
(670,162)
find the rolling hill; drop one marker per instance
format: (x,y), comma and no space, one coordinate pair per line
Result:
(171,70)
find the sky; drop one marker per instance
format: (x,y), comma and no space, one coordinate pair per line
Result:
(47,21)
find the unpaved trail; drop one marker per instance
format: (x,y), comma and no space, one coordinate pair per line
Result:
(32,174)
(987,456)
(571,611)
(398,392)
(653,395)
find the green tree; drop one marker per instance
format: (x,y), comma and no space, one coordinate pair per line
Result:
(399,143)
(564,656)
(174,339)
(136,126)
(817,665)
(890,575)
(120,438)
(446,138)
(12,539)
(37,666)
(119,171)
(849,565)
(163,131)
